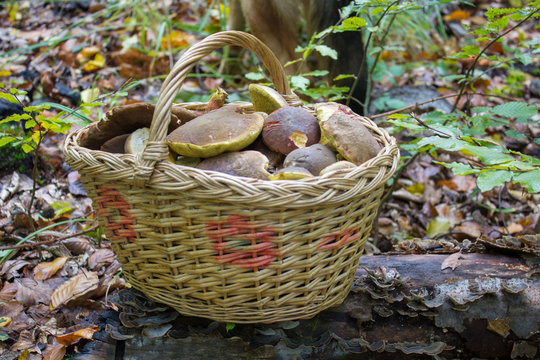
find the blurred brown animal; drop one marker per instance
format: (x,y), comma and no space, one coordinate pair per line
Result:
(277,24)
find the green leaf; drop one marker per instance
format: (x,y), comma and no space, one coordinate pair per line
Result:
(353,23)
(6,140)
(489,155)
(61,207)
(229,326)
(299,82)
(374,50)
(396,70)
(451,78)
(525,59)
(326,51)
(18,92)
(515,134)
(316,73)
(26,148)
(30,124)
(254,76)
(398,116)
(344,76)
(16,118)
(487,180)
(459,168)
(530,180)
(86,120)
(8,97)
(515,109)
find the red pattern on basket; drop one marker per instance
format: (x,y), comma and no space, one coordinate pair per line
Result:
(335,241)
(115,210)
(242,242)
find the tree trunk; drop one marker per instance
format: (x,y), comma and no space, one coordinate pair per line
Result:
(400,306)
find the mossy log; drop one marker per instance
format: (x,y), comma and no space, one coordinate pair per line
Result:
(400,307)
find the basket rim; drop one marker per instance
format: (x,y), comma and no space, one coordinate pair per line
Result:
(332,188)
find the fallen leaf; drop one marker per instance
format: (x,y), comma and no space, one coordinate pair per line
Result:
(416,189)
(25,341)
(452,261)
(89,95)
(71,338)
(97,63)
(438,226)
(176,38)
(469,229)
(31,292)
(457,15)
(8,291)
(46,270)
(74,288)
(24,355)
(5,321)
(100,257)
(514,228)
(77,245)
(55,353)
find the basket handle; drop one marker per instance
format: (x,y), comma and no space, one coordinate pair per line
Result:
(157,148)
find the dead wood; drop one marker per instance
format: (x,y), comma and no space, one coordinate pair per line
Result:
(400,307)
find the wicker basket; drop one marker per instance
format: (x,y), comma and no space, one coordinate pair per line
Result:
(229,248)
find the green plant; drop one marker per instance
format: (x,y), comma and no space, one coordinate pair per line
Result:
(458,133)
(36,126)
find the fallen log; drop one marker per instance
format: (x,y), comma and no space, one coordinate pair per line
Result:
(400,307)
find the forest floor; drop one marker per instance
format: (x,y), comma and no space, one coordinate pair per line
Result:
(57,267)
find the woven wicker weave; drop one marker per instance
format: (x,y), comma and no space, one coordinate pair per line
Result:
(229,248)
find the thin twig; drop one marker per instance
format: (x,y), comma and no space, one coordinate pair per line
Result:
(441,133)
(48,242)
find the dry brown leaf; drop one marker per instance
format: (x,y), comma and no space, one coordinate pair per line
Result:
(55,353)
(25,341)
(469,229)
(74,288)
(457,15)
(77,245)
(514,228)
(46,270)
(452,261)
(31,292)
(8,291)
(11,268)
(101,257)
(71,338)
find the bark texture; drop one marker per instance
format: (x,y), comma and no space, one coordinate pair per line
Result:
(400,307)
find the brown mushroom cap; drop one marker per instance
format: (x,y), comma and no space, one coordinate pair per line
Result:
(290,128)
(216,132)
(343,131)
(314,158)
(248,163)
(115,145)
